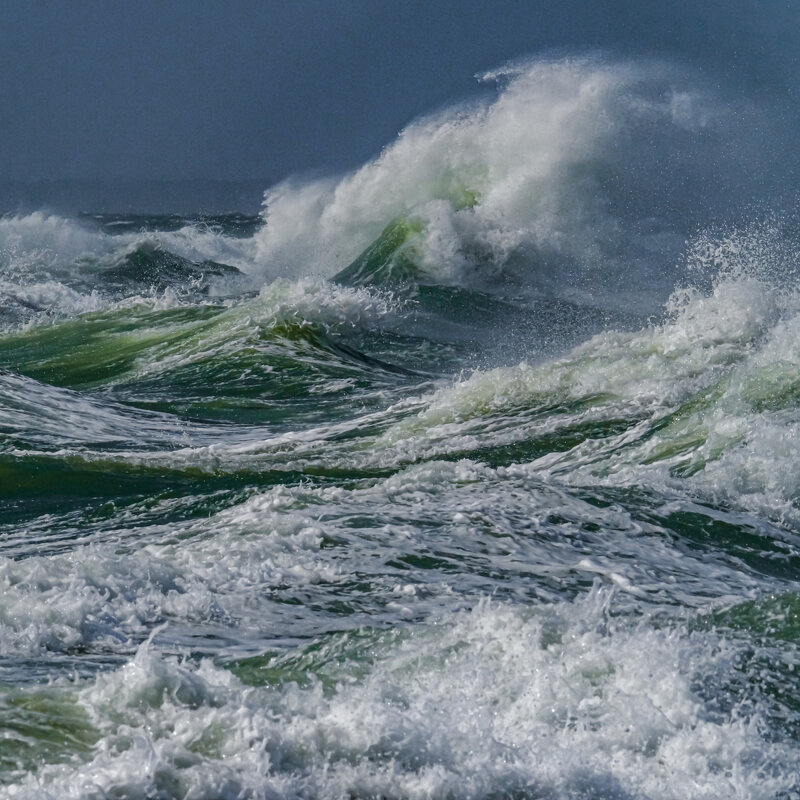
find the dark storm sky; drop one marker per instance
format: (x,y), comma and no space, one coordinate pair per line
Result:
(193,89)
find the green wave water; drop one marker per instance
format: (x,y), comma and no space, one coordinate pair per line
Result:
(459,516)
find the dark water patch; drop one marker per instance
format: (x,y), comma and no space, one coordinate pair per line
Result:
(750,544)
(36,485)
(559,441)
(347,655)
(767,676)
(125,521)
(774,617)
(235,224)
(152,267)
(754,544)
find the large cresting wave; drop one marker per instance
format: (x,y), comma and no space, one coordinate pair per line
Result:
(576,172)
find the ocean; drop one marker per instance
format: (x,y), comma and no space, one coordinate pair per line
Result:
(470,473)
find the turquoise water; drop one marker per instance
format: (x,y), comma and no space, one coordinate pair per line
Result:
(440,479)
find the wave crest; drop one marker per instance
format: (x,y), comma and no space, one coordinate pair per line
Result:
(574,166)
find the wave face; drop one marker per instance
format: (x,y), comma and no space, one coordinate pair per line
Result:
(472,473)
(575,174)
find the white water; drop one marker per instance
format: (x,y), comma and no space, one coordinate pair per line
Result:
(557,702)
(551,176)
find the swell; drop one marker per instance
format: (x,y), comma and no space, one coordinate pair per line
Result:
(707,398)
(287,342)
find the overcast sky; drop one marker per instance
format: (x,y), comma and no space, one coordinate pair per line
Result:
(248,90)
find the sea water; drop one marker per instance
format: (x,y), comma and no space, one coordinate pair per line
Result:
(471,473)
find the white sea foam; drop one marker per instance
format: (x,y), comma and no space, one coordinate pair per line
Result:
(40,241)
(48,241)
(54,264)
(522,184)
(197,244)
(559,702)
(50,296)
(114,578)
(215,571)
